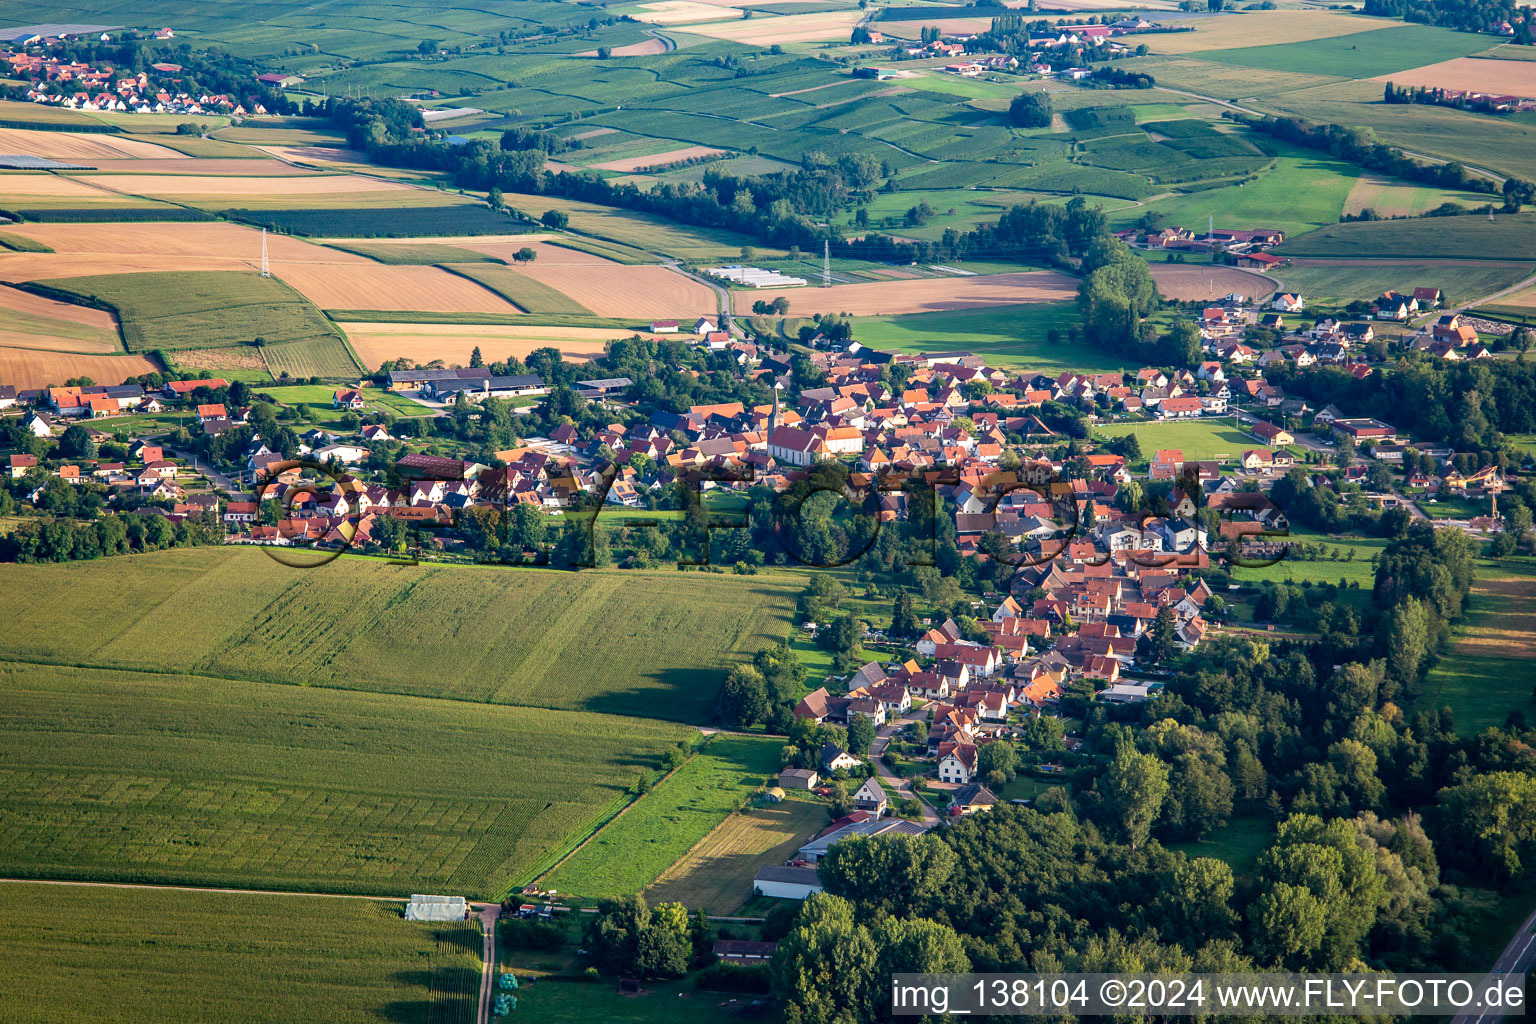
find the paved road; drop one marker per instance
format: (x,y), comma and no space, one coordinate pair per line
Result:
(488,913)
(898,786)
(1517,958)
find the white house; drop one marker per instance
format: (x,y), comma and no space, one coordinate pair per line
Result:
(1288,302)
(786,883)
(957,763)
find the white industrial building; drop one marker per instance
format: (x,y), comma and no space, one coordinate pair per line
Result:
(755,277)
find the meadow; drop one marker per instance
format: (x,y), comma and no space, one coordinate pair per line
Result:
(119,775)
(1012,336)
(653,644)
(1357,55)
(1295,194)
(1480,675)
(139,956)
(199,309)
(420,253)
(664,824)
(716,875)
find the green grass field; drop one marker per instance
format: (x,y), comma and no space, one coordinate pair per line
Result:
(1298,194)
(201,308)
(1481,675)
(137,956)
(135,776)
(1342,281)
(1012,336)
(633,850)
(654,644)
(1359,55)
(1202,440)
(316,357)
(560,1002)
(1239,843)
(524,292)
(640,230)
(21,243)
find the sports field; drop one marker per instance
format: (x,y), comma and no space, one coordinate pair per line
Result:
(1485,672)
(133,776)
(1011,336)
(139,956)
(1201,440)
(662,826)
(716,875)
(652,644)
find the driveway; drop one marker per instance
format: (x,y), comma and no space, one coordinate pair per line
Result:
(898,786)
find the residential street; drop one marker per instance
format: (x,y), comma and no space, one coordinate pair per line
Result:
(899,787)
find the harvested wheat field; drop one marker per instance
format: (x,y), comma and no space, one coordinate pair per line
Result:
(82,148)
(675,12)
(949,26)
(454,343)
(369,285)
(671,156)
(791,28)
(1472,74)
(317,154)
(891,297)
(31,321)
(30,368)
(257,165)
(1506,620)
(162,186)
(51,190)
(613,289)
(649,48)
(208,240)
(235,358)
(501,247)
(1259,28)
(1200,281)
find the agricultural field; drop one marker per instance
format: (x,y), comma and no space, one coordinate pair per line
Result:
(519,288)
(365,624)
(1344,280)
(1201,440)
(1480,674)
(81,147)
(716,875)
(316,357)
(32,321)
(414,254)
(923,295)
(1186,281)
(198,309)
(1472,74)
(454,216)
(559,1002)
(453,343)
(642,230)
(364,284)
(1295,195)
(34,368)
(666,823)
(272,192)
(121,775)
(1506,237)
(1277,27)
(289,957)
(1388,198)
(21,192)
(1011,336)
(1379,52)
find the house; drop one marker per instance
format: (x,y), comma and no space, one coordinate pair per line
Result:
(814,706)
(1288,302)
(860,823)
(970,798)
(348,398)
(871,797)
(664,327)
(1428,298)
(786,883)
(835,759)
(798,778)
(957,762)
(741,953)
(21,465)
(704,325)
(1271,434)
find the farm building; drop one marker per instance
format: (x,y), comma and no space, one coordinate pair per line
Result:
(796,778)
(436,908)
(787,883)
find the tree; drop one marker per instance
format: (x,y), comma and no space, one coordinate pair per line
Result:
(780,305)
(665,946)
(1132,791)
(825,967)
(525,255)
(427,47)
(861,733)
(1407,639)
(1491,820)
(896,875)
(555,219)
(495,198)
(1199,796)
(604,52)
(1163,643)
(744,697)
(904,616)
(77,443)
(475,358)
(997,762)
(1030,110)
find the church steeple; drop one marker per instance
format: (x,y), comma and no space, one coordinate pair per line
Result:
(773,417)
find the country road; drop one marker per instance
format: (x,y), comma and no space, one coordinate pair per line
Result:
(488,914)
(1517,958)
